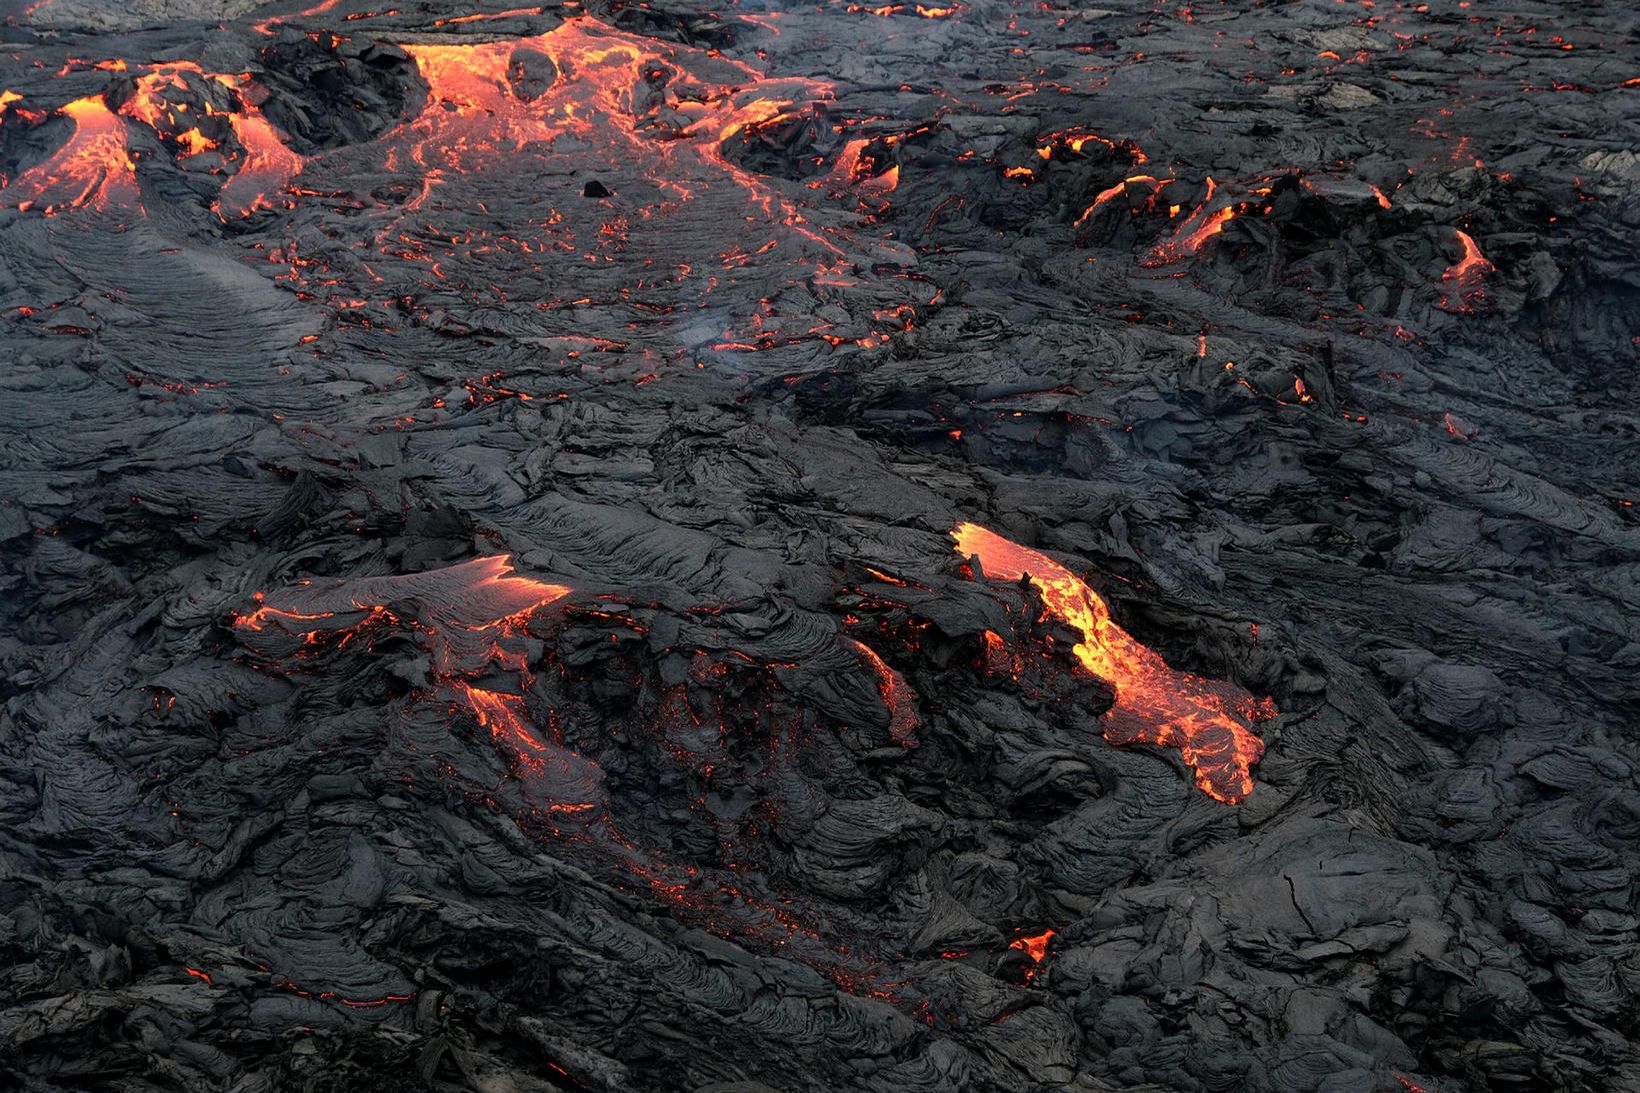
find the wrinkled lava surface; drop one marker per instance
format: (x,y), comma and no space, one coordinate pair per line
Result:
(961,546)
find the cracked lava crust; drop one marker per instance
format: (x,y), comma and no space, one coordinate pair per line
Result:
(799,546)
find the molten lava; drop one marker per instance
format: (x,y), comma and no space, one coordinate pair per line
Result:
(1120,188)
(1035,947)
(94,168)
(268,165)
(625,138)
(629,97)
(1201,226)
(265,165)
(1466,274)
(563,107)
(472,619)
(91,170)
(1208,721)
(897,694)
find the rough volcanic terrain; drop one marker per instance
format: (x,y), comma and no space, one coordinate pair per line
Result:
(978,545)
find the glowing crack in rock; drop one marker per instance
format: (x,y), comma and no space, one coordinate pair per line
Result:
(1197,229)
(1208,721)
(898,696)
(465,614)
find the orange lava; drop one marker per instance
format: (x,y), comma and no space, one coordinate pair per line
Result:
(926,11)
(1208,721)
(621,91)
(1120,188)
(897,694)
(268,166)
(1035,947)
(92,170)
(851,170)
(479,595)
(1466,274)
(194,142)
(266,25)
(1194,232)
(265,166)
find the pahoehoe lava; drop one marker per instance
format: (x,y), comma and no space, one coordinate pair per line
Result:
(989,545)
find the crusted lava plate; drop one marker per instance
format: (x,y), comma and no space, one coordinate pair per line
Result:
(987,545)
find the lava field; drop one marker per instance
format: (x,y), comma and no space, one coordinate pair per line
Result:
(782,546)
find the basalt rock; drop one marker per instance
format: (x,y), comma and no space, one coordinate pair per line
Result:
(850,546)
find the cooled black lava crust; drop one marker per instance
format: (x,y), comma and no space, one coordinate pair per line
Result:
(518,527)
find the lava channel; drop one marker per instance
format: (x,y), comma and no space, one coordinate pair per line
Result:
(1208,721)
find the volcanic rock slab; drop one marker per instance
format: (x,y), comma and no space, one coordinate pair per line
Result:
(977,545)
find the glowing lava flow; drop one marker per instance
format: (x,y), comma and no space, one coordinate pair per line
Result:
(1035,947)
(92,169)
(1195,231)
(626,93)
(472,619)
(630,144)
(926,11)
(851,170)
(266,25)
(1200,226)
(266,165)
(1121,188)
(1466,274)
(465,613)
(269,165)
(1207,720)
(897,694)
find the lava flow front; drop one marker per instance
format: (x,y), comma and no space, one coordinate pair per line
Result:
(1208,721)
(93,168)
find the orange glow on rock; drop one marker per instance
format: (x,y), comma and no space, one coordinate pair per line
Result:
(602,77)
(266,164)
(267,168)
(897,694)
(194,142)
(1201,226)
(926,11)
(1466,274)
(1208,721)
(92,170)
(1121,188)
(466,615)
(1036,946)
